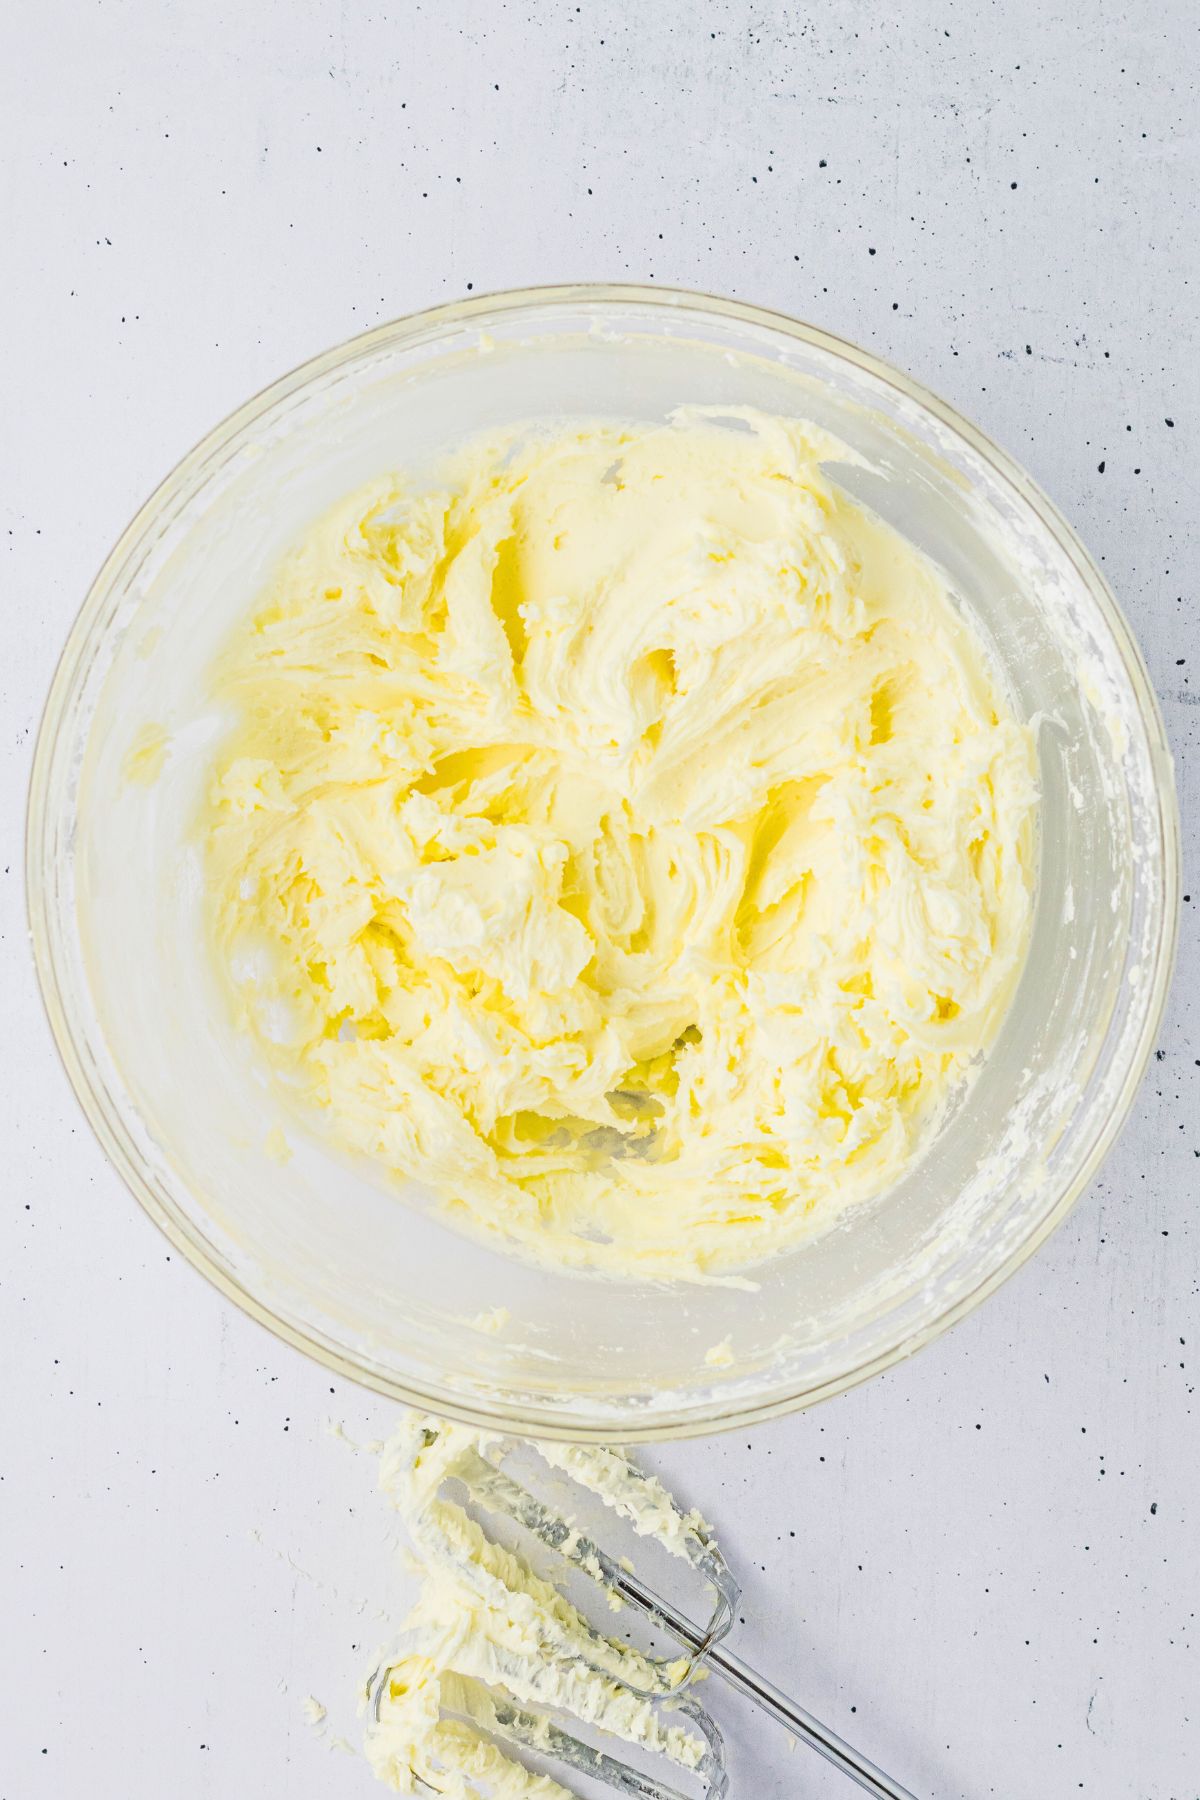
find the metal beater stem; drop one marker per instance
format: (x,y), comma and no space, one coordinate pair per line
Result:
(768,1699)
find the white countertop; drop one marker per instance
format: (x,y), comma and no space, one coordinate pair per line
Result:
(983,1565)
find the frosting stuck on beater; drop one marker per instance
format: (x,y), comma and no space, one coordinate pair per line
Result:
(622,836)
(486,1631)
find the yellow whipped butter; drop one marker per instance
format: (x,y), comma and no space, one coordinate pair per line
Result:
(487,1632)
(622,836)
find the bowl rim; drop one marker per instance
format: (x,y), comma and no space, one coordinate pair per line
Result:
(704,1416)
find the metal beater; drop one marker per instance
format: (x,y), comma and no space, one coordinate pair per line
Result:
(474,1491)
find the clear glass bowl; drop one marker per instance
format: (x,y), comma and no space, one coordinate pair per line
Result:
(324,1252)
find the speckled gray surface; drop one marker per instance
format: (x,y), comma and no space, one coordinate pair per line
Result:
(984,1564)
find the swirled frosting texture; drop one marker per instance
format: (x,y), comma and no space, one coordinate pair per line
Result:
(623,837)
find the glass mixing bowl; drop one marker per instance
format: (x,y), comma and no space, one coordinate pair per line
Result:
(323,1250)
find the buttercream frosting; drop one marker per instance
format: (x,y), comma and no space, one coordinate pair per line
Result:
(622,835)
(487,1634)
